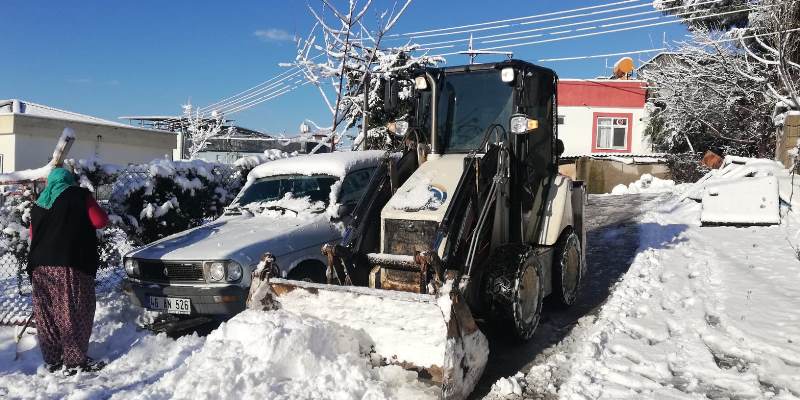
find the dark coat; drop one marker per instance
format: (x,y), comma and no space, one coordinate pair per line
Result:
(64,235)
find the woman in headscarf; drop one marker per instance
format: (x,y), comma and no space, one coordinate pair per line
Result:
(62,264)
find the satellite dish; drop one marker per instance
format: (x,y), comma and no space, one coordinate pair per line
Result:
(623,68)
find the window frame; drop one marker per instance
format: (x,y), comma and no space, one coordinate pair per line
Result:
(628,134)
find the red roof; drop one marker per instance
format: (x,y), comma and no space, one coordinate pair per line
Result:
(601,93)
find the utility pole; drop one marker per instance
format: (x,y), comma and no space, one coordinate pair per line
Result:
(365,117)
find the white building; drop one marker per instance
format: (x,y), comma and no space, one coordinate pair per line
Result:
(602,117)
(29,132)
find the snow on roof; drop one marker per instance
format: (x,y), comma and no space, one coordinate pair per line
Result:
(336,164)
(22,107)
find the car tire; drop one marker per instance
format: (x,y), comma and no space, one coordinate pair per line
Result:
(309,271)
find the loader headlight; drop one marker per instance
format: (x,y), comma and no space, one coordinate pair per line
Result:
(216,271)
(234,271)
(520,123)
(507,75)
(131,267)
(420,83)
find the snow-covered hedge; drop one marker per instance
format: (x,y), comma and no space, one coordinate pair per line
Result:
(15,216)
(145,202)
(155,200)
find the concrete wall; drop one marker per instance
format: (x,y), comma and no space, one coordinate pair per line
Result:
(578,129)
(788,139)
(35,138)
(601,175)
(6,143)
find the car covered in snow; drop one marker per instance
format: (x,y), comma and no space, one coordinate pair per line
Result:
(288,207)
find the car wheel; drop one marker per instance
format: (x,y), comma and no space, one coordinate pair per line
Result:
(309,271)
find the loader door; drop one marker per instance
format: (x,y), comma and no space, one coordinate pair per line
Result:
(536,151)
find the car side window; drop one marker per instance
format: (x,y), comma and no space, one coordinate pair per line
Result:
(354,185)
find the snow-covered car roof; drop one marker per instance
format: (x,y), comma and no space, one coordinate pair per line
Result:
(335,164)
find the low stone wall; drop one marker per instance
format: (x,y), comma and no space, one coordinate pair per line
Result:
(600,175)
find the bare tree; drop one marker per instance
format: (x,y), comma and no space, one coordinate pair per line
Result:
(727,87)
(342,57)
(773,41)
(704,96)
(200,129)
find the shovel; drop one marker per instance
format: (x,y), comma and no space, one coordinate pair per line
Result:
(18,337)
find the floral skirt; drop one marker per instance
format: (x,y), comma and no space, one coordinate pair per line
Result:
(63,307)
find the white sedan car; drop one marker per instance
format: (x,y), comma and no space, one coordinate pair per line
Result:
(288,207)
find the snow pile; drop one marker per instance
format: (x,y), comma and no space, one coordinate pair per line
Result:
(250,162)
(508,387)
(703,312)
(399,329)
(274,355)
(645,184)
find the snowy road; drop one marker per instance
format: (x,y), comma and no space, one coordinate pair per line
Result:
(612,227)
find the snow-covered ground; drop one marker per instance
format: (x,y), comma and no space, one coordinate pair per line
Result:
(703,312)
(274,355)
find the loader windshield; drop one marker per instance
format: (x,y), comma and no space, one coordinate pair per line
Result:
(469,103)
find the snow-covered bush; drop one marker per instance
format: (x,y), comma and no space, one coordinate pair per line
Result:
(15,216)
(166,197)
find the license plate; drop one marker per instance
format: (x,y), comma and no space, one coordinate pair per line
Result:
(172,305)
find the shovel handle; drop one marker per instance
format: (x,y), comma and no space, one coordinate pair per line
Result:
(24,328)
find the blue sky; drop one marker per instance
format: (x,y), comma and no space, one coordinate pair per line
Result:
(113,58)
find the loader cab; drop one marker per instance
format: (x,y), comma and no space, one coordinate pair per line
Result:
(459,109)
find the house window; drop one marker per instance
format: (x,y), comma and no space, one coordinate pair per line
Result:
(561,120)
(612,133)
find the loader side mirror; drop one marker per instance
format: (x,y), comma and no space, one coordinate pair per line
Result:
(391,97)
(559,147)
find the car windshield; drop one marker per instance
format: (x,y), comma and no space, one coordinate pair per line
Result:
(468,104)
(317,188)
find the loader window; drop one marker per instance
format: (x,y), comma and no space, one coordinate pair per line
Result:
(354,185)
(468,104)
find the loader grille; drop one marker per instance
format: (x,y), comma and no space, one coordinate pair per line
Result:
(159,271)
(403,237)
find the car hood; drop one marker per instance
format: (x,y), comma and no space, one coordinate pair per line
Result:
(242,238)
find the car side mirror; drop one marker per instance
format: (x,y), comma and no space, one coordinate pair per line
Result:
(559,147)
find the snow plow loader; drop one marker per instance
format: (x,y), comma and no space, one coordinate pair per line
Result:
(470,228)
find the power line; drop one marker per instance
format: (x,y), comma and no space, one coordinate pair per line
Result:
(213,105)
(411,34)
(606,31)
(710,42)
(423,46)
(623,53)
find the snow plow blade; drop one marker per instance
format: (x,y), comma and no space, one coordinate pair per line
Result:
(433,335)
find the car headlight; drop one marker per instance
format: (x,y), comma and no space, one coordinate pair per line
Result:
(234,271)
(216,271)
(131,267)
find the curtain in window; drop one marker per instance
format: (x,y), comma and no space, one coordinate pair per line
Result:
(605,133)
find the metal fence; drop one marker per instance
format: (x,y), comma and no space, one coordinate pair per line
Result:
(15,287)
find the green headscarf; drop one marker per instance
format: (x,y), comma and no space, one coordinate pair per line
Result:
(57,182)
